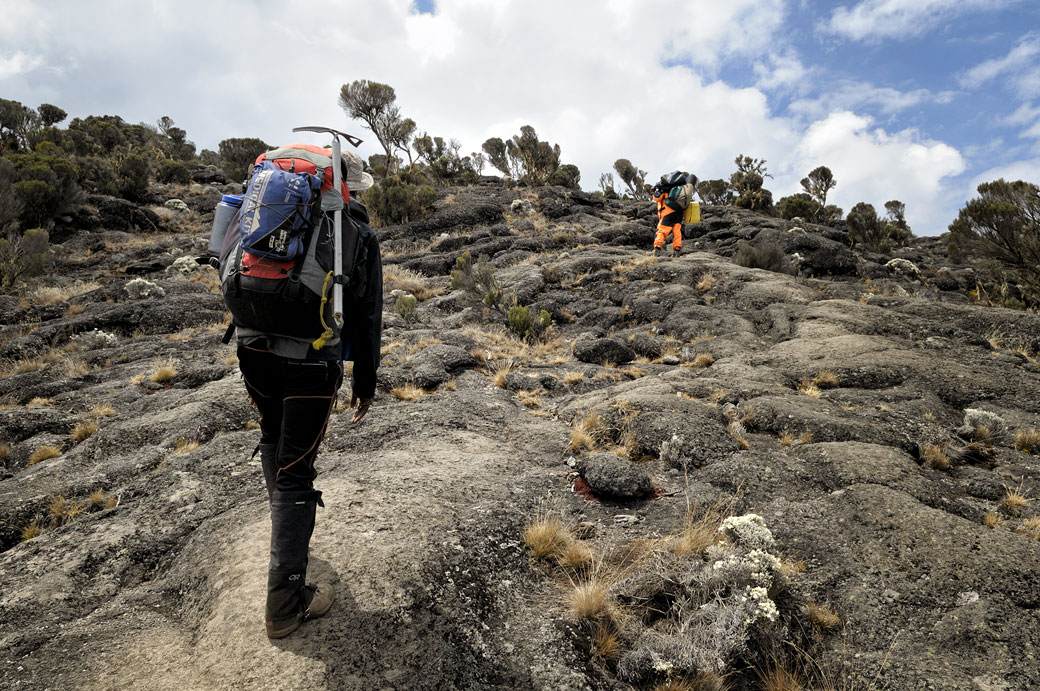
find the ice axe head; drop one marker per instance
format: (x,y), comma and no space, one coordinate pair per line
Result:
(355,141)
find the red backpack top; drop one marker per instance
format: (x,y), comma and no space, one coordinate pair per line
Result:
(306,158)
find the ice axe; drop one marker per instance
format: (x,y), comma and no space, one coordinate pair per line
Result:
(337,206)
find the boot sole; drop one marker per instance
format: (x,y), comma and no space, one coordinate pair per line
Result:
(283,629)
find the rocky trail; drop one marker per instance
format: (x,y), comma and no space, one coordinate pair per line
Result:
(876,419)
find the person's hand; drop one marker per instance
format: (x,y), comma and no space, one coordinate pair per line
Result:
(361,406)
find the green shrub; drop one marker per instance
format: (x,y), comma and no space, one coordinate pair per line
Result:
(133,178)
(97,175)
(173,171)
(566,175)
(22,255)
(238,154)
(798,205)
(46,186)
(401,198)
(406,305)
(524,325)
(477,280)
(762,255)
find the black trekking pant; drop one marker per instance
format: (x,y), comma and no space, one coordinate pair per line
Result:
(295,399)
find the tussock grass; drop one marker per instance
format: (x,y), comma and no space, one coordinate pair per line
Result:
(587,433)
(992,519)
(83,431)
(805,437)
(42,453)
(821,615)
(590,600)
(809,388)
(701,527)
(40,401)
(54,295)
(826,379)
(407,392)
(103,410)
(575,556)
(702,681)
(780,678)
(184,446)
(1028,441)
(703,360)
(530,398)
(73,310)
(423,343)
(63,511)
(1014,501)
(11,368)
(30,531)
(633,372)
(606,642)
(5,451)
(935,456)
(1031,527)
(706,282)
(787,438)
(571,378)
(164,373)
(546,536)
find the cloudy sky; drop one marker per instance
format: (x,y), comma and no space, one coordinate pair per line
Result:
(917,100)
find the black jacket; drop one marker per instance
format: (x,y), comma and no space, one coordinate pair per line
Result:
(363,306)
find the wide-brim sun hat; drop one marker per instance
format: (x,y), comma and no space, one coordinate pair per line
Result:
(354,175)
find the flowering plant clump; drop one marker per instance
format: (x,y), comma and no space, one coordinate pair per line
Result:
(749,531)
(720,601)
(94,340)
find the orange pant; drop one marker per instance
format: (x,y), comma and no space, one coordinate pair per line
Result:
(664,231)
(669,222)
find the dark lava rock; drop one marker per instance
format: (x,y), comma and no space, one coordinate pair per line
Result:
(613,477)
(120,214)
(647,346)
(603,350)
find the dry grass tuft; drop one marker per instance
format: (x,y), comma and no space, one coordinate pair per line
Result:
(40,401)
(821,615)
(5,451)
(935,456)
(400,278)
(590,600)
(573,377)
(586,434)
(992,519)
(1031,527)
(826,379)
(54,295)
(575,556)
(701,527)
(63,511)
(30,531)
(83,431)
(103,410)
(184,446)
(407,392)
(546,536)
(606,643)
(704,360)
(780,678)
(702,681)
(1028,441)
(164,374)
(35,364)
(1014,501)
(73,310)
(706,282)
(805,437)
(809,388)
(787,438)
(529,398)
(42,453)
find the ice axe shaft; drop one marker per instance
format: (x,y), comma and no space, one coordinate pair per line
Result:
(337,223)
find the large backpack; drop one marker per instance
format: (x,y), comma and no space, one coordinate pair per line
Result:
(276,262)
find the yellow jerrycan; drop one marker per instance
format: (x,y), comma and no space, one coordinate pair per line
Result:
(692,213)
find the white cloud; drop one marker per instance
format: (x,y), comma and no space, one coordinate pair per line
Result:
(18,63)
(1020,68)
(782,71)
(873,20)
(853,95)
(1028,170)
(875,166)
(595,79)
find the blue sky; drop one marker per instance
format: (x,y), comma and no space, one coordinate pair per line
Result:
(917,100)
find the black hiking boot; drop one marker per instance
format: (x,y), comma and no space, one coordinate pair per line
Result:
(677,252)
(290,602)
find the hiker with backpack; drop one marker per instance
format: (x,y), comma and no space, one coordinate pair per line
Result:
(277,269)
(673,196)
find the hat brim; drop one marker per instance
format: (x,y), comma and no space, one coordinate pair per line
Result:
(360,184)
